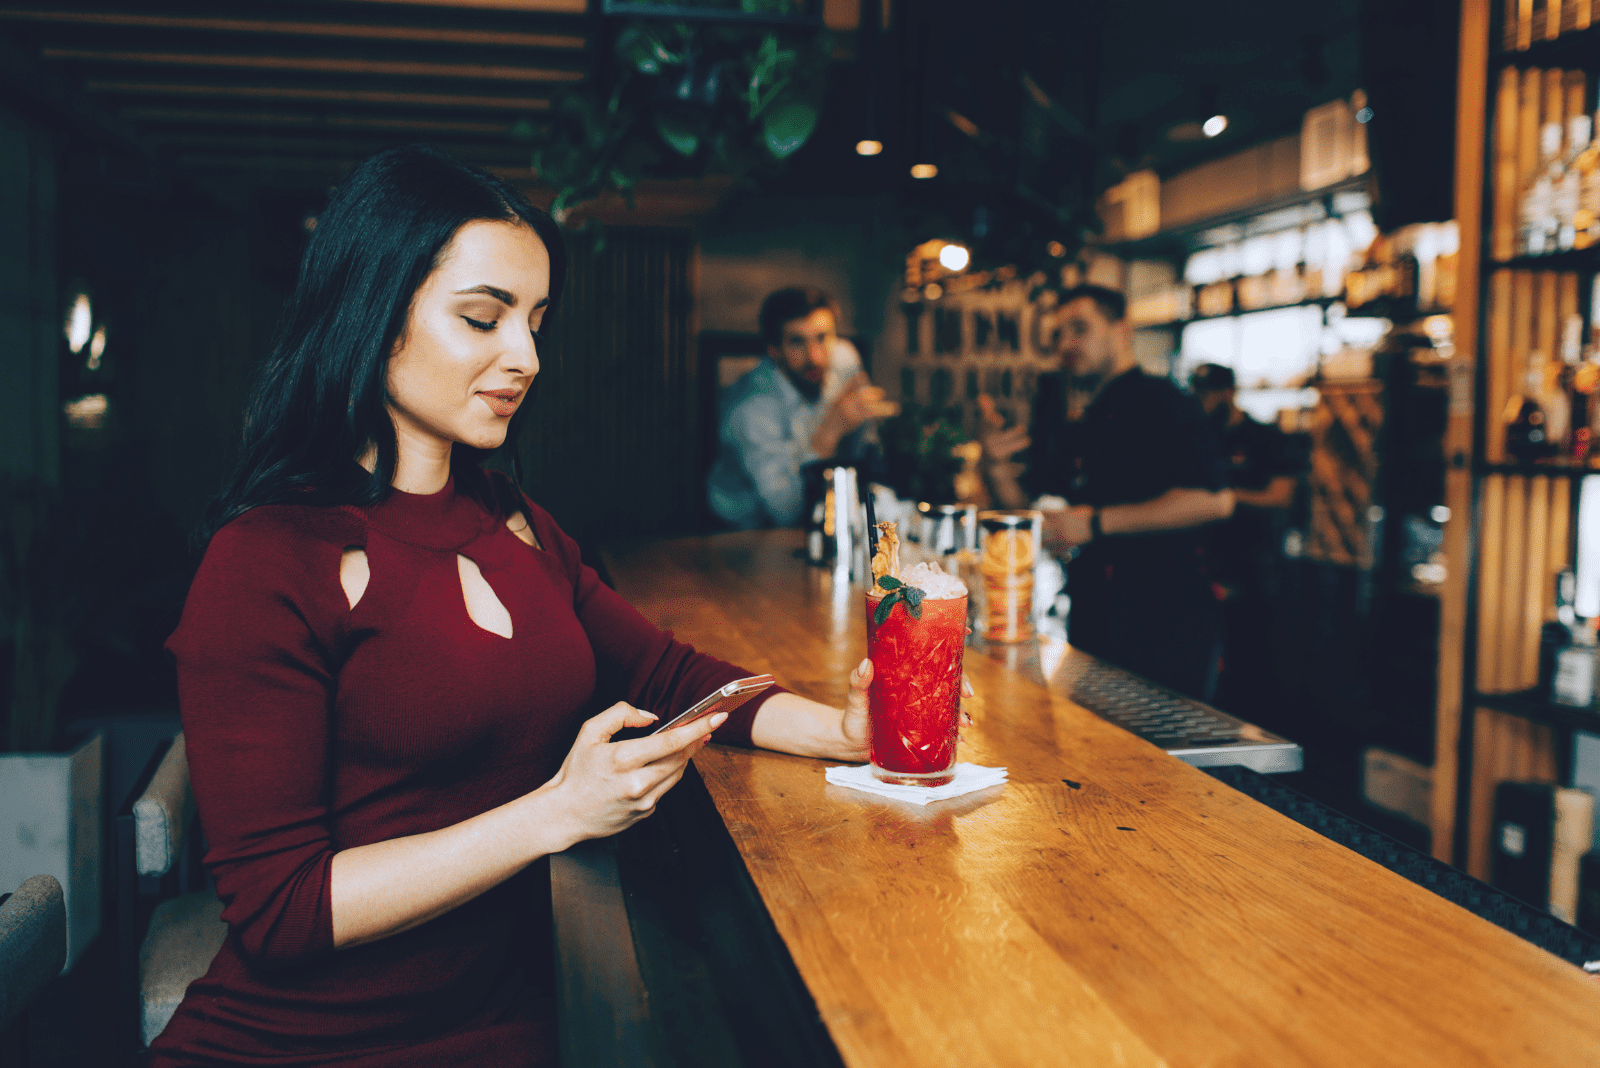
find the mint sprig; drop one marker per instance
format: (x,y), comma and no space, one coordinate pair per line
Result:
(898,591)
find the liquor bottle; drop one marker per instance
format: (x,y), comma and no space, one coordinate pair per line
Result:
(1568,190)
(1527,428)
(1586,222)
(1577,381)
(1538,202)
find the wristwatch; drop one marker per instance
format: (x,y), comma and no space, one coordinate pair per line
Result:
(1095,531)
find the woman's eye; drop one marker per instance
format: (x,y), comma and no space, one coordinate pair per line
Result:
(477,325)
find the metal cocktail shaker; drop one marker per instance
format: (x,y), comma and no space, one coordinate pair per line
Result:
(836,534)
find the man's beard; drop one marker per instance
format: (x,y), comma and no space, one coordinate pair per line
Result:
(808,389)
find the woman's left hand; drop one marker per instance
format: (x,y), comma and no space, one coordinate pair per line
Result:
(857,722)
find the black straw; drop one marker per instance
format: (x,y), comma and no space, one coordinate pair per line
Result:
(872,519)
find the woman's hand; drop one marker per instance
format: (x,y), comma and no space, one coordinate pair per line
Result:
(604,787)
(856,723)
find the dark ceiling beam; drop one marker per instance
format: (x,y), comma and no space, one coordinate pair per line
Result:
(326,95)
(542,7)
(332,166)
(151,118)
(336,143)
(320,65)
(501,38)
(108,45)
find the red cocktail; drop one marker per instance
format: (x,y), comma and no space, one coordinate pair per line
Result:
(915,699)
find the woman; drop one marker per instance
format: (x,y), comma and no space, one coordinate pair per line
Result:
(387,656)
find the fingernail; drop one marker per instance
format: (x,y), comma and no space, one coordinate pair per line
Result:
(861,668)
(966,688)
(648,715)
(718,720)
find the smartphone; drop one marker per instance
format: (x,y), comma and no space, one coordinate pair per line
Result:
(725,699)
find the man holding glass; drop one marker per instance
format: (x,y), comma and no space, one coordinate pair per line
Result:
(807,400)
(1143,472)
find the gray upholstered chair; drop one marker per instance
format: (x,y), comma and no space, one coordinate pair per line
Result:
(33,950)
(169,924)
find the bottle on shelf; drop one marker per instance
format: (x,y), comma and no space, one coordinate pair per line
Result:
(1568,189)
(1527,425)
(1586,220)
(1580,377)
(1538,201)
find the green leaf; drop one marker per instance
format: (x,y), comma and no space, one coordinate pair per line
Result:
(884,608)
(913,596)
(681,137)
(788,126)
(915,608)
(645,51)
(889,582)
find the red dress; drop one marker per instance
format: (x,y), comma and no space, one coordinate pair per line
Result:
(312,728)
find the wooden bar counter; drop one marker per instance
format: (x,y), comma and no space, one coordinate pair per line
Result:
(1111,905)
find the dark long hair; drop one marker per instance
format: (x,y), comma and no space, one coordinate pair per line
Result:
(323,394)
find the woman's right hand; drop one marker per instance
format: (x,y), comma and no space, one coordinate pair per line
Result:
(604,787)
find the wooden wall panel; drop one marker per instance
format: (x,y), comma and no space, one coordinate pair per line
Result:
(1472,88)
(613,445)
(1505,748)
(1497,376)
(1536,586)
(1530,107)
(1513,576)
(1491,590)
(1507,100)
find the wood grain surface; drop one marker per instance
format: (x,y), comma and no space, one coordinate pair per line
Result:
(1110,905)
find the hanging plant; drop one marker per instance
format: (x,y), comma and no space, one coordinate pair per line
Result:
(687,99)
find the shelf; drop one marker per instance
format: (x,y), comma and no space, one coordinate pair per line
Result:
(1579,49)
(1185,237)
(1373,309)
(1578,259)
(1529,706)
(1550,469)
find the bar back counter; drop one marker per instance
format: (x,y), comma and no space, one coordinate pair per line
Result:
(1110,905)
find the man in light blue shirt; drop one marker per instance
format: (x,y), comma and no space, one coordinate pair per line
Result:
(808,399)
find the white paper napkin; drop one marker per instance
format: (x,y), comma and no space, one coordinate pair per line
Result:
(969,778)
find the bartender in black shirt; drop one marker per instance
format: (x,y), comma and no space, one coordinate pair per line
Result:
(1144,475)
(1265,466)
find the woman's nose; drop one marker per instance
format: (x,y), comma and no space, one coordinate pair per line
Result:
(521,359)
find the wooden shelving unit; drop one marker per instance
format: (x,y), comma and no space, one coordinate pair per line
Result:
(1515,525)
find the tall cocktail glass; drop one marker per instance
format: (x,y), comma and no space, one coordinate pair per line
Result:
(915,699)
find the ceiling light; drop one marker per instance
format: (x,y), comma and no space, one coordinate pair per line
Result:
(79,319)
(924,170)
(932,291)
(1056,249)
(868,148)
(954,258)
(1214,125)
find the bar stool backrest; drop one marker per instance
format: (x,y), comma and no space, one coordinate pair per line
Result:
(163,813)
(170,923)
(33,943)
